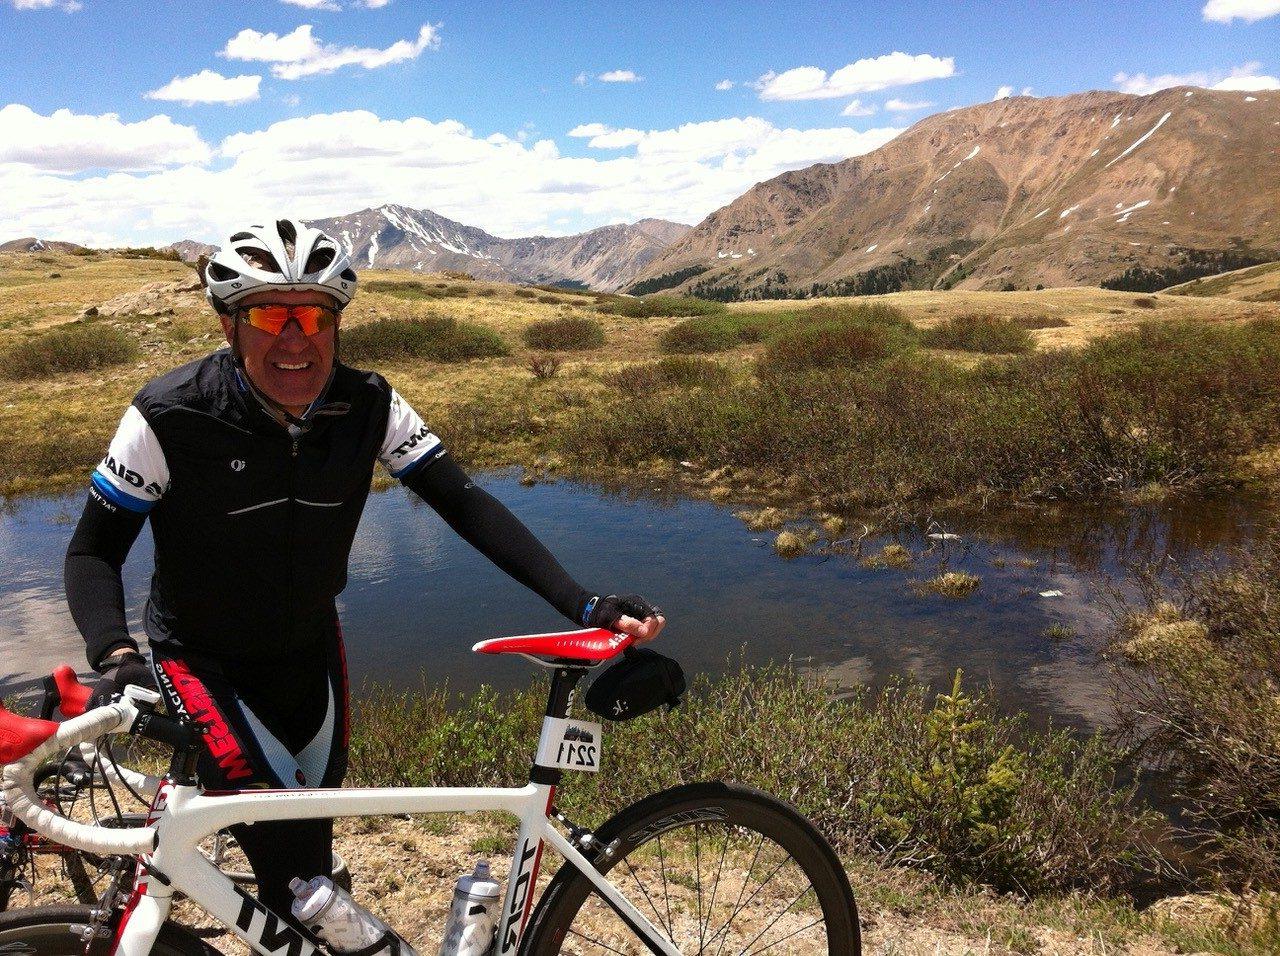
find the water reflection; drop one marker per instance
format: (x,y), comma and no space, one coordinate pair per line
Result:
(419,597)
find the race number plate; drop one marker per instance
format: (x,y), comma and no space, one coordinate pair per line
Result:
(570,745)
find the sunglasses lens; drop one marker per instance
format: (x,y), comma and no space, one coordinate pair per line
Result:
(312,318)
(268,318)
(272,319)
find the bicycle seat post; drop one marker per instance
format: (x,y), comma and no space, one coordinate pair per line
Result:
(564,680)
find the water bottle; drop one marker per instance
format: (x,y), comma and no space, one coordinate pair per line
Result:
(473,917)
(343,924)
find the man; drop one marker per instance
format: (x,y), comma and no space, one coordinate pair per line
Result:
(253,465)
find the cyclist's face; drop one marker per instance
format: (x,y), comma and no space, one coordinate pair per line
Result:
(291,367)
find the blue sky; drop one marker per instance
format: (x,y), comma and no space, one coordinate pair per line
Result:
(469,108)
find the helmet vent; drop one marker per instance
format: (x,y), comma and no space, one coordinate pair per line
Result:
(220,273)
(260,259)
(241,236)
(319,259)
(349,275)
(288,235)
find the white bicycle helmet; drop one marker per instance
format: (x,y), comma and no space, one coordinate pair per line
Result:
(284,254)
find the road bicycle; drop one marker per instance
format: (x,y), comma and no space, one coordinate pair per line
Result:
(75,779)
(708,868)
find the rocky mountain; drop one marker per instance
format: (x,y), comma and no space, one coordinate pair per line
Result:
(32,244)
(397,237)
(192,249)
(1094,188)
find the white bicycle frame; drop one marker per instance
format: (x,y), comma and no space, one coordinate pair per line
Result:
(169,858)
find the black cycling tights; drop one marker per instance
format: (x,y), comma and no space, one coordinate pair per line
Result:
(275,724)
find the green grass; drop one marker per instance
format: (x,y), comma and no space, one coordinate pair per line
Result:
(77,347)
(435,339)
(415,290)
(832,338)
(657,305)
(568,334)
(674,371)
(980,333)
(941,782)
(1172,404)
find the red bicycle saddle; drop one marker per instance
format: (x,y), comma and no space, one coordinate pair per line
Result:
(590,646)
(21,735)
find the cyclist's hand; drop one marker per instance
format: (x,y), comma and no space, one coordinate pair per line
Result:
(626,614)
(123,670)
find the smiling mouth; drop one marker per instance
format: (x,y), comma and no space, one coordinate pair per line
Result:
(291,366)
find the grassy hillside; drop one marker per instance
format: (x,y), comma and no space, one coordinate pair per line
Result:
(459,350)
(1256,284)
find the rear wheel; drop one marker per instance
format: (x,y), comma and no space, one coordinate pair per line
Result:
(720,869)
(60,931)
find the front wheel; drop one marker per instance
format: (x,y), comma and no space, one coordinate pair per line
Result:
(720,868)
(60,931)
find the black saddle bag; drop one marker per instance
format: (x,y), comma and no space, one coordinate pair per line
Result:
(642,681)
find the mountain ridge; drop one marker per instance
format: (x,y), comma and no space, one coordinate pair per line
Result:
(1074,190)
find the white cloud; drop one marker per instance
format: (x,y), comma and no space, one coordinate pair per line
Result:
(906,106)
(725,85)
(314,4)
(1243,77)
(619,76)
(581,79)
(208,87)
(375,4)
(298,54)
(68,6)
(1003,93)
(1224,11)
(327,164)
(865,76)
(606,137)
(858,108)
(66,142)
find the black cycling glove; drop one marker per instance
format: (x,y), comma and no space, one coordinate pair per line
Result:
(124,669)
(606,611)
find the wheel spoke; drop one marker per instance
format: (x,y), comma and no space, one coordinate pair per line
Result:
(646,896)
(738,903)
(666,892)
(753,895)
(697,882)
(742,951)
(592,939)
(787,937)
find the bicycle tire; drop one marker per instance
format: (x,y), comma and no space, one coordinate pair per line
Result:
(737,811)
(56,931)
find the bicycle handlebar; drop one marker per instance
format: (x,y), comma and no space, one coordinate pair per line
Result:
(21,797)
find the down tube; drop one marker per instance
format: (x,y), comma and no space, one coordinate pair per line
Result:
(523,880)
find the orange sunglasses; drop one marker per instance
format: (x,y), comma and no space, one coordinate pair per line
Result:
(272,319)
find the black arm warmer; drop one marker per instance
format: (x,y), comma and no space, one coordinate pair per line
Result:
(486,524)
(91,576)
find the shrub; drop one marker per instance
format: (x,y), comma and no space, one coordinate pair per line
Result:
(524,293)
(414,289)
(75,347)
(568,334)
(946,784)
(714,334)
(658,305)
(1200,661)
(435,339)
(676,371)
(1146,302)
(549,300)
(1173,404)
(545,366)
(979,333)
(1041,322)
(829,339)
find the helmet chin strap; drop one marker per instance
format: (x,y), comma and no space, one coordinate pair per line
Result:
(295,425)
